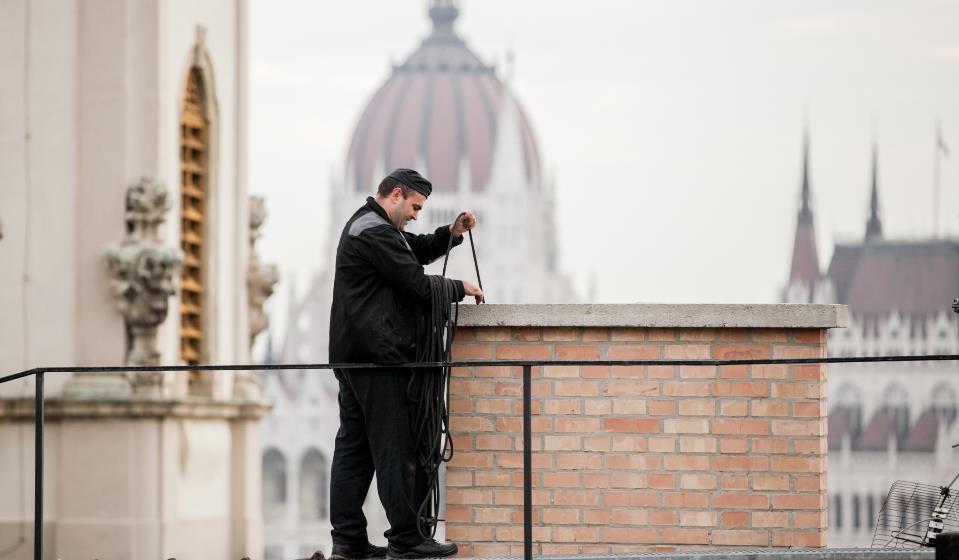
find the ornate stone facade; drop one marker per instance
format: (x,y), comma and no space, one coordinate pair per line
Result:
(138,466)
(893,421)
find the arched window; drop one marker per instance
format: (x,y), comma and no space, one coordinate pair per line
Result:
(896,404)
(313,487)
(194,130)
(274,484)
(944,403)
(849,403)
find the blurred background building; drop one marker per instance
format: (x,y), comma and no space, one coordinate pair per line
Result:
(446,113)
(128,239)
(887,421)
(127,235)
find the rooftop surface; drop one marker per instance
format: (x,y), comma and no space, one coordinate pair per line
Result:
(765,553)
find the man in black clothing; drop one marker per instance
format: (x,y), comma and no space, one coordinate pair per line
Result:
(379,292)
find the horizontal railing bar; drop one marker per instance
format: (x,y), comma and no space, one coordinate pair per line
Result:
(485,363)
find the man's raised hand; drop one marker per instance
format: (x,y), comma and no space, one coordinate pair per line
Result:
(464,222)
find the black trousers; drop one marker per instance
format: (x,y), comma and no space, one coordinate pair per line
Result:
(374,437)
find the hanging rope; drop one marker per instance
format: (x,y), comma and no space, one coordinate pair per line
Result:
(429,390)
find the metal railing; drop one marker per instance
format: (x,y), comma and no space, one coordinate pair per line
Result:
(527,365)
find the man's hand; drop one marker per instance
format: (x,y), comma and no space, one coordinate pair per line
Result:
(473,290)
(464,222)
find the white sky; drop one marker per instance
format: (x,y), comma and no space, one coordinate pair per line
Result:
(673,128)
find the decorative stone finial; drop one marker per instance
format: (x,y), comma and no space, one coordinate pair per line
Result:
(260,281)
(142,270)
(147,205)
(260,278)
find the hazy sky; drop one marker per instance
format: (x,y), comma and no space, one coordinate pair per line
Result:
(673,128)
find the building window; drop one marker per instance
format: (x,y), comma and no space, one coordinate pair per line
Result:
(837,511)
(896,404)
(274,484)
(856,512)
(944,403)
(871,503)
(849,403)
(193,196)
(313,487)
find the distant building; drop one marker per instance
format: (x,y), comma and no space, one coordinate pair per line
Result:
(893,421)
(447,114)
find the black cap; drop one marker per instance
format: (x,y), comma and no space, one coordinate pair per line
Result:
(413,180)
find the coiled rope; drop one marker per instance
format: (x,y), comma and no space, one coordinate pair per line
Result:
(429,390)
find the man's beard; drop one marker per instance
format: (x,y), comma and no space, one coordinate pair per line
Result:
(402,223)
(398,223)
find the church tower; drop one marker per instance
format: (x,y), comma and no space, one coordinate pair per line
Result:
(804,274)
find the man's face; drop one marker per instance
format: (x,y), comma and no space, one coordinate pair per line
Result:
(406,209)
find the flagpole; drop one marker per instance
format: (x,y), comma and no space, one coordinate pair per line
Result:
(935,185)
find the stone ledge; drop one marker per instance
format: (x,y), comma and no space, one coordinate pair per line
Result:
(757,316)
(100,409)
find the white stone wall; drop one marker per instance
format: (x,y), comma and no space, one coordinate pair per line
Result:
(101,84)
(37,62)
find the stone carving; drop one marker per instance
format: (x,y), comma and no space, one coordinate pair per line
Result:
(260,280)
(141,270)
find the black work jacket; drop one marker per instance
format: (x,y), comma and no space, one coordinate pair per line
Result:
(380,291)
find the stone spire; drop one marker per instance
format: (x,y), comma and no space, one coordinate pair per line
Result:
(805,259)
(874,225)
(805,210)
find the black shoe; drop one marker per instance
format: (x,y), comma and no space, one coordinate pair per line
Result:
(426,549)
(367,552)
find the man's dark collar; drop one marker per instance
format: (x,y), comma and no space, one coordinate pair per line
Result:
(375,206)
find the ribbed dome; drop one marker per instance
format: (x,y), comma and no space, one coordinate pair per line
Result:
(438,113)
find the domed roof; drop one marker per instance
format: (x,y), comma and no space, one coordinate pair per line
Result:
(438,112)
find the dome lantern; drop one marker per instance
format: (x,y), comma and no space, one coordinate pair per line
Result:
(444,14)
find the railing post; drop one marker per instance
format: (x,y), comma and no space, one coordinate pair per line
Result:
(38,469)
(527,464)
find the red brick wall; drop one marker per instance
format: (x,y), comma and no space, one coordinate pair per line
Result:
(639,458)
